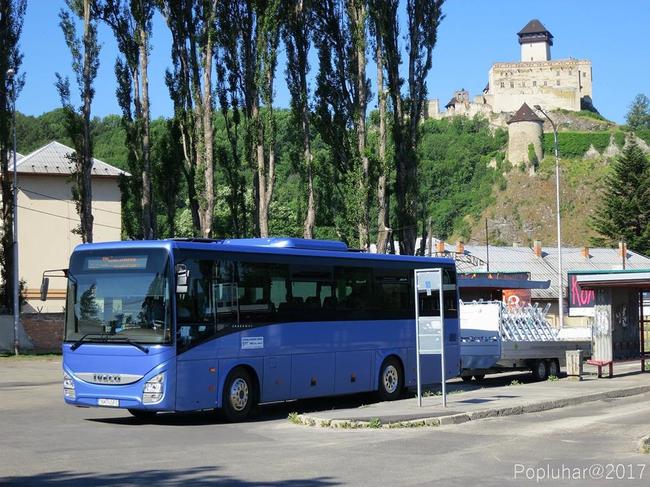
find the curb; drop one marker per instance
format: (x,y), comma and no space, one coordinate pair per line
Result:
(644,444)
(314,421)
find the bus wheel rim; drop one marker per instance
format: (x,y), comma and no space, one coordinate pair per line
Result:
(239,394)
(391,378)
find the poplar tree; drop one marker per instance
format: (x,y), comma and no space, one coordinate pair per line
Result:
(192,26)
(625,210)
(297,39)
(423,19)
(130,21)
(12,13)
(85,63)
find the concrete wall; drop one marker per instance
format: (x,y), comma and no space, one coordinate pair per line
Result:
(552,84)
(46,219)
(535,51)
(520,135)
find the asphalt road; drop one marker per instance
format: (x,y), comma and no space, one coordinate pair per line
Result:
(44,442)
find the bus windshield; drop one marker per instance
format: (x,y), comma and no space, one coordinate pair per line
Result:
(118,295)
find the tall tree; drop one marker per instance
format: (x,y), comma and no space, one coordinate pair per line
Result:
(297,39)
(268,37)
(12,13)
(85,62)
(192,25)
(625,210)
(167,174)
(423,19)
(234,38)
(342,91)
(130,21)
(382,166)
(638,116)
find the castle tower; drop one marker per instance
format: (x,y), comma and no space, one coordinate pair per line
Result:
(525,129)
(536,42)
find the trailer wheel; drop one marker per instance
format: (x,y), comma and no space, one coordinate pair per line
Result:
(554,367)
(540,370)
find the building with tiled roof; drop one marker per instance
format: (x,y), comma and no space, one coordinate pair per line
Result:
(47,217)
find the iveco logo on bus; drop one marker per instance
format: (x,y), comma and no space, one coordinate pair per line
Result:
(107,378)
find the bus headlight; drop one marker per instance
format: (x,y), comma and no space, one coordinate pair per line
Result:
(68,386)
(153,389)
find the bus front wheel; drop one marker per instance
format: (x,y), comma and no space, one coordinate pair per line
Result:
(238,395)
(391,379)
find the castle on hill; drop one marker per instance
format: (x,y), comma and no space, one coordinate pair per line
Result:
(535,80)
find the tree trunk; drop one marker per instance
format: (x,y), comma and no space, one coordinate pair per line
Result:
(382,217)
(358,11)
(208,157)
(85,193)
(147,204)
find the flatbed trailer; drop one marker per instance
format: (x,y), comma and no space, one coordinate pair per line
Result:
(497,339)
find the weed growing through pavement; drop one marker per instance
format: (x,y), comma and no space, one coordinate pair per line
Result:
(515,383)
(553,378)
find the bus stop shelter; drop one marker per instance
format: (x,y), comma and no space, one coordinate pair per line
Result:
(620,322)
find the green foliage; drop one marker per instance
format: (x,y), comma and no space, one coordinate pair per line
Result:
(575,144)
(625,210)
(454,176)
(532,156)
(644,134)
(638,116)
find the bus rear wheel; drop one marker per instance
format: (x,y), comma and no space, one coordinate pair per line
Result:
(238,395)
(391,379)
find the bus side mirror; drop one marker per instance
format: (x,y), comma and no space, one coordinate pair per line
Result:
(182,275)
(45,284)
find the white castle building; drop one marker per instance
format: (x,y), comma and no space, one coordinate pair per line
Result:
(535,80)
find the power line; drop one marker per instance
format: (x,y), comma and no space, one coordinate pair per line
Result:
(64,200)
(65,217)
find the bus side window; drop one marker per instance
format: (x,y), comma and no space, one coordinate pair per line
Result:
(263,292)
(393,294)
(195,309)
(225,295)
(450,297)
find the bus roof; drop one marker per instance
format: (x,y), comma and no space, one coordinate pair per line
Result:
(277,246)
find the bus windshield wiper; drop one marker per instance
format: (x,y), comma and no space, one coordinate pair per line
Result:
(81,341)
(130,342)
(105,337)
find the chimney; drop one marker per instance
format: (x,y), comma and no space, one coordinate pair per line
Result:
(585,252)
(622,252)
(460,247)
(537,248)
(440,246)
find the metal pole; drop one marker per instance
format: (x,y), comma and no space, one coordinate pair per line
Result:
(417,338)
(487,246)
(559,225)
(16,283)
(443,375)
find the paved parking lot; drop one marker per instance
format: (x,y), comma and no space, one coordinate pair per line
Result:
(44,442)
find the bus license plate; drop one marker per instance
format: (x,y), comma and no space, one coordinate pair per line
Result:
(113,403)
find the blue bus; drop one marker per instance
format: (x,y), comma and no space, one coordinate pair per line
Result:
(193,324)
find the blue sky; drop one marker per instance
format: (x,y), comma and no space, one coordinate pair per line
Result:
(474,34)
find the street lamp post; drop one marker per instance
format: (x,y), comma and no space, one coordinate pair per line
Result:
(16,283)
(557,206)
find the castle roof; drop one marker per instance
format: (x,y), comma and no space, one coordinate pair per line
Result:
(534,31)
(525,114)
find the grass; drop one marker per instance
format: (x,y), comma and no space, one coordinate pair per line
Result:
(515,382)
(552,378)
(30,356)
(294,418)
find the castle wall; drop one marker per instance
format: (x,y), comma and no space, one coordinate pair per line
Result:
(535,51)
(520,135)
(553,84)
